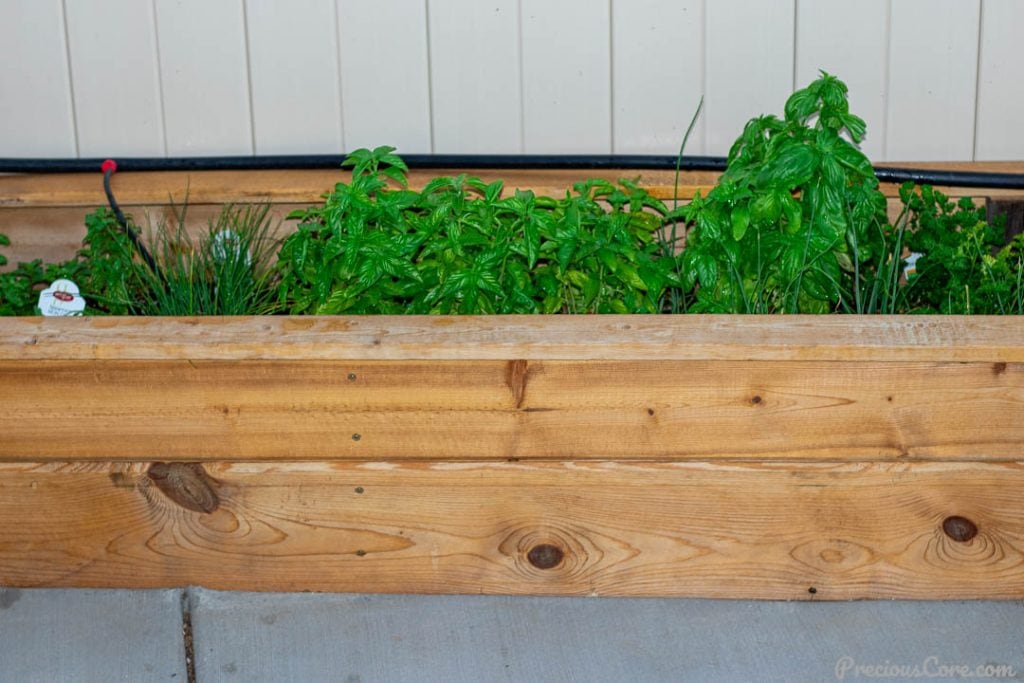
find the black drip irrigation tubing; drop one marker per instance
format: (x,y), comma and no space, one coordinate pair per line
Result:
(941,178)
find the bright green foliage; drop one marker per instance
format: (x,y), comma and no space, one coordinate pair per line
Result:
(228,272)
(101,270)
(232,279)
(961,271)
(458,246)
(796,216)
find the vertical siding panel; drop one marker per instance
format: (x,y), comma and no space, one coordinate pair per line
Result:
(474,62)
(657,74)
(385,84)
(112,44)
(204,71)
(1001,84)
(36,116)
(749,68)
(932,73)
(293,62)
(848,38)
(566,76)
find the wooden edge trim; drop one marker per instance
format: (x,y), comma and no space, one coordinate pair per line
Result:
(529,337)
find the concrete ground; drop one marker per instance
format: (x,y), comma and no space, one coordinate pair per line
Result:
(195,634)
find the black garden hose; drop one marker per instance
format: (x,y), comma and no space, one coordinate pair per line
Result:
(940,178)
(109,167)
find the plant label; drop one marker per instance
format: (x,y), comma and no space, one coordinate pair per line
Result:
(61,298)
(910,270)
(227,244)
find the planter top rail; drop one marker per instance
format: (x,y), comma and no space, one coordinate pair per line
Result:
(607,337)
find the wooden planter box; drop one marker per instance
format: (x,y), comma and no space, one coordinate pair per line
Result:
(831,457)
(793,457)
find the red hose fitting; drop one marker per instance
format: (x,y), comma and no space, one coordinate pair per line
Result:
(109,165)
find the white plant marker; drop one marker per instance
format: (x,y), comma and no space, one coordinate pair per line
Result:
(61,298)
(226,243)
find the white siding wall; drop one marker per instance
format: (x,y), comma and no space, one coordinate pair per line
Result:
(935,79)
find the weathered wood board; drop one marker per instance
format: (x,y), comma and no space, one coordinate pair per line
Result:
(739,530)
(723,456)
(509,410)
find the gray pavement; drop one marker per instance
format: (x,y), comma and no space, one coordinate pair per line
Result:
(51,635)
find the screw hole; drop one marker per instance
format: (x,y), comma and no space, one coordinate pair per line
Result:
(357,437)
(359,489)
(351,377)
(812,590)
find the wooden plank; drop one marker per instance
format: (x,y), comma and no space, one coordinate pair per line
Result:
(55,234)
(48,233)
(566,71)
(476,85)
(497,410)
(657,75)
(849,39)
(36,111)
(114,64)
(795,531)
(204,187)
(307,186)
(1000,93)
(204,75)
(296,92)
(739,34)
(933,62)
(916,338)
(385,101)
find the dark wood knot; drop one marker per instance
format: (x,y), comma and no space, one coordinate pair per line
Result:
(545,556)
(187,484)
(960,529)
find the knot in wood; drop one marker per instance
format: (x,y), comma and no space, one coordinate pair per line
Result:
(545,556)
(960,529)
(187,484)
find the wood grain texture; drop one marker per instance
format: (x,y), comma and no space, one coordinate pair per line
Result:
(950,339)
(510,410)
(85,189)
(308,186)
(863,530)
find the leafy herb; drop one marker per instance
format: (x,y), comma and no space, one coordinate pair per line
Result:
(796,214)
(960,270)
(460,246)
